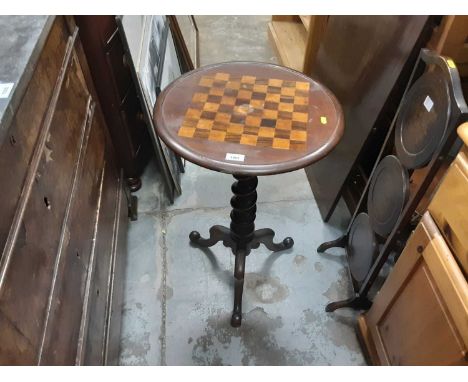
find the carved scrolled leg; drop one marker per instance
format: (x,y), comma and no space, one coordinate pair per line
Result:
(338,243)
(356,303)
(239,271)
(217,233)
(265,236)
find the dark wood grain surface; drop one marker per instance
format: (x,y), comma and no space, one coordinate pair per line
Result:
(366,62)
(274,119)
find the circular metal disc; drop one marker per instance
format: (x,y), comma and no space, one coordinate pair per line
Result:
(423,119)
(361,247)
(388,194)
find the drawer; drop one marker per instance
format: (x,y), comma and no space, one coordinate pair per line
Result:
(420,316)
(449,208)
(17,149)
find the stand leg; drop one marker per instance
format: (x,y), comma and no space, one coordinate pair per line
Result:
(217,233)
(356,303)
(339,243)
(239,271)
(265,236)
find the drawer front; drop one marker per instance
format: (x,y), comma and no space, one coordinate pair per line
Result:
(449,208)
(16,151)
(420,316)
(27,266)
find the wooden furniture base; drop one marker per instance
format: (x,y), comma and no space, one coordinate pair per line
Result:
(241,237)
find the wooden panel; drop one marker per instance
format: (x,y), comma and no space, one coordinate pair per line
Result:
(353,62)
(16,152)
(63,326)
(420,315)
(289,38)
(95,331)
(27,267)
(116,279)
(449,208)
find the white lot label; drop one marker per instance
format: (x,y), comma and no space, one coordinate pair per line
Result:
(428,103)
(5,89)
(235,157)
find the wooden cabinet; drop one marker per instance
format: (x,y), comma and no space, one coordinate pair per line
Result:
(64,213)
(420,316)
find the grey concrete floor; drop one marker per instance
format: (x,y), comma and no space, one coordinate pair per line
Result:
(178,298)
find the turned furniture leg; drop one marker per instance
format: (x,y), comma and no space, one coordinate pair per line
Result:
(265,236)
(338,243)
(217,233)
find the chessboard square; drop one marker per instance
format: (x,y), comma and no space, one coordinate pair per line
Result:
(284,134)
(222,117)
(275,82)
(271,105)
(206,82)
(280,143)
(225,100)
(222,76)
(247,87)
(260,88)
(226,108)
(299,135)
(285,107)
(286,99)
(261,81)
(210,115)
(270,97)
(193,113)
(197,105)
(234,85)
(256,112)
(214,98)
(199,97)
(186,131)
(270,114)
(216,91)
(274,90)
(190,122)
(266,132)
(284,124)
(247,94)
(284,114)
(300,117)
(220,126)
(267,122)
(230,92)
(248,79)
(219,84)
(288,92)
(296,145)
(264,141)
(258,95)
(205,124)
(257,103)
(235,128)
(302,93)
(296,125)
(253,120)
(252,130)
(242,101)
(216,135)
(298,100)
(249,140)
(201,133)
(301,108)
(237,118)
(303,86)
(209,106)
(232,138)
(289,84)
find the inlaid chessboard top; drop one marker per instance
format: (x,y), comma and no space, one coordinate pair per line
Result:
(248,118)
(248,110)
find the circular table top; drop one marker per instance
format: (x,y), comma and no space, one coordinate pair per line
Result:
(248,118)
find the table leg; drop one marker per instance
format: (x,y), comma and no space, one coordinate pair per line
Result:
(241,237)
